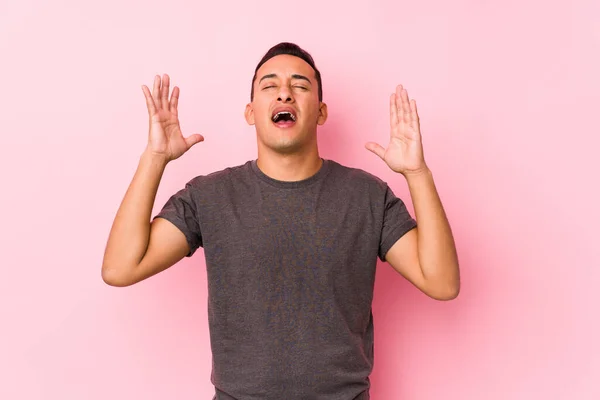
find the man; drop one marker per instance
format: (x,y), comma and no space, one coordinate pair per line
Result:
(291,240)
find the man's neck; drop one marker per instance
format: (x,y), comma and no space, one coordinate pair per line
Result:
(289,167)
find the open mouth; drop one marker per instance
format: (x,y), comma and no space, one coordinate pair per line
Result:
(284,118)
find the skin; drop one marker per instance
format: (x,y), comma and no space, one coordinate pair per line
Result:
(137,249)
(288,154)
(426,255)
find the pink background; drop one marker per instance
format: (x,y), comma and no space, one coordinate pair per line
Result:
(509,97)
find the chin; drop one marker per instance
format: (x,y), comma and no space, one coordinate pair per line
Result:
(280,142)
(284,141)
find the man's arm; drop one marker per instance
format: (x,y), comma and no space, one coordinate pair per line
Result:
(426,255)
(137,249)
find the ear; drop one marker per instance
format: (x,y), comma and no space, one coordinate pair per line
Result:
(322,114)
(249,114)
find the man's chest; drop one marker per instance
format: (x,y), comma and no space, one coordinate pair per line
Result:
(291,232)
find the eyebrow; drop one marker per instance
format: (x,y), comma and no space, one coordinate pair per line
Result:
(294,76)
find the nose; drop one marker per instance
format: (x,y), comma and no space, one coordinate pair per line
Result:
(285,94)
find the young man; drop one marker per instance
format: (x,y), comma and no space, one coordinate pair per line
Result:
(291,240)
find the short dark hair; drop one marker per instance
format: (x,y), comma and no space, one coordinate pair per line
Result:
(293,50)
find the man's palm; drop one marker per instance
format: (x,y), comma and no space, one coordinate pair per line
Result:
(404,153)
(165,137)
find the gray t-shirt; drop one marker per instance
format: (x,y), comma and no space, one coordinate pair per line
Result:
(291,270)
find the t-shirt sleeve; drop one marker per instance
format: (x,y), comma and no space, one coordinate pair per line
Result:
(181,211)
(397,221)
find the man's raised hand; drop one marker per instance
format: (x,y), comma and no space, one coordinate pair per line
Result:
(165,138)
(404,153)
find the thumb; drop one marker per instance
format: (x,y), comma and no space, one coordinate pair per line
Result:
(193,139)
(376,148)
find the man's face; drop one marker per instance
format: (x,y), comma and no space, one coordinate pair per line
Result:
(286,108)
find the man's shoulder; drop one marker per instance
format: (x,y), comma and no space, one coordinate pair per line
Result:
(355,176)
(219,177)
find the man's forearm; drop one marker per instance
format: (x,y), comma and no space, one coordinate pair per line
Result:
(128,239)
(436,248)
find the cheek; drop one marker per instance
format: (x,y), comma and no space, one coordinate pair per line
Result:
(260,112)
(313,114)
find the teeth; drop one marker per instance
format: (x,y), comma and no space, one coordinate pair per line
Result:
(276,116)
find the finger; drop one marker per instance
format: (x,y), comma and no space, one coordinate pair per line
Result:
(164,93)
(193,139)
(393,111)
(399,107)
(414,115)
(405,106)
(149,101)
(376,148)
(174,100)
(156,92)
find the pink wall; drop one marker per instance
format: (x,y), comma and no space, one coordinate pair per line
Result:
(508,93)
